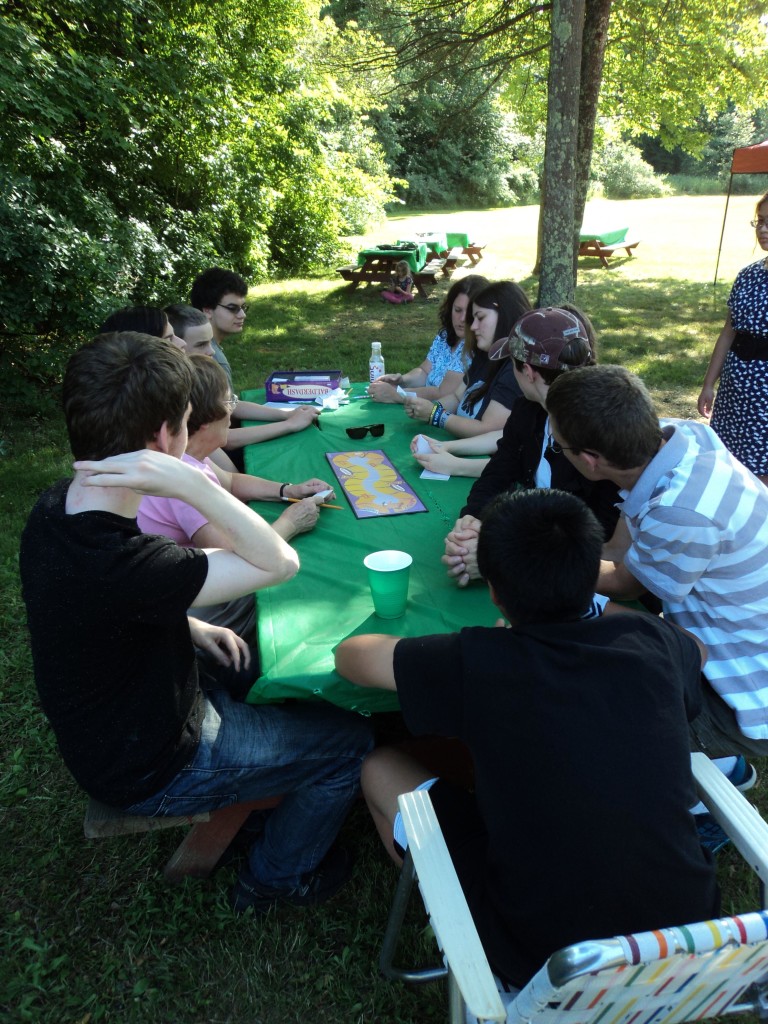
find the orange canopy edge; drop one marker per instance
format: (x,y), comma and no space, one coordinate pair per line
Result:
(750,159)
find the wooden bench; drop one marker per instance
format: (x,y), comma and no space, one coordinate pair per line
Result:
(209,835)
(595,248)
(447,260)
(379,270)
(475,252)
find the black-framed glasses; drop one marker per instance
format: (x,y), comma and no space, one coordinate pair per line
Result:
(556,448)
(358,433)
(233,307)
(759,223)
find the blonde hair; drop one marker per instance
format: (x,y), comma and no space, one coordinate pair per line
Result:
(401,267)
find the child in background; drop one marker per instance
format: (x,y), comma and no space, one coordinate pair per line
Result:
(402,285)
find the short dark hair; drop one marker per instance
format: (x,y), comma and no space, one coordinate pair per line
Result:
(209,287)
(469,286)
(209,383)
(118,391)
(181,317)
(540,550)
(606,409)
(142,319)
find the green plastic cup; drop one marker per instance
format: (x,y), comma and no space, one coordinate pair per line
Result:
(388,573)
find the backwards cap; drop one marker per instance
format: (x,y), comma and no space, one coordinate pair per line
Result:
(539,338)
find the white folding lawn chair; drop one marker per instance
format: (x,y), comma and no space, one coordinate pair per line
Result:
(691,972)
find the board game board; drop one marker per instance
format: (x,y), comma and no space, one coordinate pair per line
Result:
(372,485)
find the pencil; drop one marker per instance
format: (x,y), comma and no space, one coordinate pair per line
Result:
(321,505)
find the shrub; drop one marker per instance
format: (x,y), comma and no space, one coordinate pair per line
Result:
(625,175)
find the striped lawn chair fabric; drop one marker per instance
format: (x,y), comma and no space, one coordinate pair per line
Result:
(674,974)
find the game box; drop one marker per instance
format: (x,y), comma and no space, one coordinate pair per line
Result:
(298,386)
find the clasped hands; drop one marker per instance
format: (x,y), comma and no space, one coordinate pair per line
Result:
(461,550)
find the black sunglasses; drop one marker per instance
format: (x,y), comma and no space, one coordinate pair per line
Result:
(357,433)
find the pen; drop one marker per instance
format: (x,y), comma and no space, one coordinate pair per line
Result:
(321,505)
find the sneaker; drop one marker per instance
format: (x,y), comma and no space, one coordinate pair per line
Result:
(711,836)
(743,775)
(317,886)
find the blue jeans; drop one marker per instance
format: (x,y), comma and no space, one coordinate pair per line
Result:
(309,753)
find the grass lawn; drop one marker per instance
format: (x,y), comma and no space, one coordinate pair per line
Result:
(91,933)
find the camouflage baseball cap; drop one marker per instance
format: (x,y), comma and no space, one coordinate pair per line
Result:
(539,338)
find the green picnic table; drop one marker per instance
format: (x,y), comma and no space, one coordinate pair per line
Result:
(415,258)
(604,235)
(301,622)
(604,242)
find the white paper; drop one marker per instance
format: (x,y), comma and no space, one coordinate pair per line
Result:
(332,400)
(423,447)
(405,394)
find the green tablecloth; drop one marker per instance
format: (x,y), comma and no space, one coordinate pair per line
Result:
(434,240)
(300,622)
(605,236)
(415,258)
(454,238)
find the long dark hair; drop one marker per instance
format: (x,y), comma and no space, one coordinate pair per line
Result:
(510,302)
(470,285)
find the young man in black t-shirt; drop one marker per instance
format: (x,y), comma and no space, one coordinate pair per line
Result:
(113,648)
(222,296)
(579,826)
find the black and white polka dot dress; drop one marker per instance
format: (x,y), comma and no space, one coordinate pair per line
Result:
(740,412)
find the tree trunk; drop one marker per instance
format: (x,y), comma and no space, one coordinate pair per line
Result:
(597,15)
(557,280)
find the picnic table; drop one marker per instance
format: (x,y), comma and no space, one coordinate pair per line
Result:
(604,242)
(415,258)
(447,260)
(378,267)
(435,241)
(301,622)
(444,244)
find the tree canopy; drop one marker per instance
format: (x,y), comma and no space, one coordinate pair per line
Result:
(145,140)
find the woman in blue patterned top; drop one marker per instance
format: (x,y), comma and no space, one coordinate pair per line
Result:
(740,360)
(443,369)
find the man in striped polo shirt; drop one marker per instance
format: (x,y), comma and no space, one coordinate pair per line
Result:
(693,531)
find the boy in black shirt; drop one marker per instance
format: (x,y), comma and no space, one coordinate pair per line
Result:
(113,648)
(580,825)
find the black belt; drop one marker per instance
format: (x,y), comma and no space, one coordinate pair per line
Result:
(750,346)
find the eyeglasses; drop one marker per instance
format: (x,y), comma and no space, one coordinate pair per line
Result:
(232,307)
(759,223)
(358,433)
(558,449)
(230,404)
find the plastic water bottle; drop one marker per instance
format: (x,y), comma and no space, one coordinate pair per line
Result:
(376,362)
